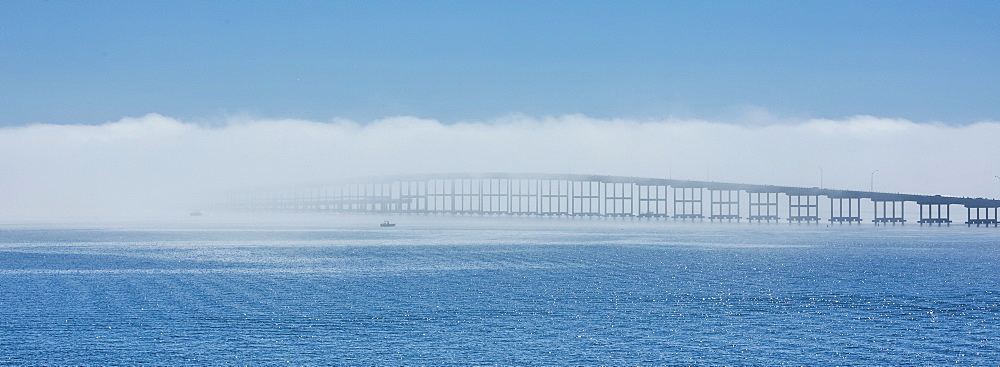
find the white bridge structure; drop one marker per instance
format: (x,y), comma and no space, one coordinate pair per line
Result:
(607,196)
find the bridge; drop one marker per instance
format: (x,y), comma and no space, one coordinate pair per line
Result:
(574,195)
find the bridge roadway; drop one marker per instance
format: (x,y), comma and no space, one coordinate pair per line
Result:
(605,196)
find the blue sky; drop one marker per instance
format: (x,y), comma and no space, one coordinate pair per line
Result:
(92,62)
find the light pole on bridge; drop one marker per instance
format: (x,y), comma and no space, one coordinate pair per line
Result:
(821,177)
(872,187)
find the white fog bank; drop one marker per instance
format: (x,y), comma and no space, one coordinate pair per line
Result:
(156,165)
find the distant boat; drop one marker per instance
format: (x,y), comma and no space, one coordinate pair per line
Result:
(196,213)
(387,224)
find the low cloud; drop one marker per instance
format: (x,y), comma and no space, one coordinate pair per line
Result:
(152,165)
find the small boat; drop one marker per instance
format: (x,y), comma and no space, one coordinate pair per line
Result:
(387,224)
(196,213)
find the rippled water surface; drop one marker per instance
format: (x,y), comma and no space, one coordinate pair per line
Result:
(507,291)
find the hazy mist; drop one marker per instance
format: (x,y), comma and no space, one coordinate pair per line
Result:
(159,166)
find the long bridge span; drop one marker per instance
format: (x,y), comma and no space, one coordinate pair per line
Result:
(610,196)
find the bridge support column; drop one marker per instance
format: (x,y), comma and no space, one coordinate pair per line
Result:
(493,196)
(336,198)
(688,205)
(523,197)
(724,205)
(934,214)
(466,196)
(381,197)
(555,195)
(586,198)
(849,213)
(348,198)
(437,196)
(316,199)
(414,196)
(982,216)
(803,208)
(652,201)
(359,198)
(764,206)
(319,201)
(618,199)
(368,198)
(888,211)
(453,196)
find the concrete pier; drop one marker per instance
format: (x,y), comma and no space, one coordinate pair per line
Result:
(653,201)
(888,211)
(555,197)
(688,203)
(618,199)
(523,196)
(585,198)
(934,214)
(763,206)
(803,208)
(724,204)
(494,196)
(982,215)
(845,210)
(413,195)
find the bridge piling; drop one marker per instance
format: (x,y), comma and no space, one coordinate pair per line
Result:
(652,201)
(931,217)
(888,215)
(763,209)
(555,198)
(586,198)
(982,216)
(724,204)
(851,215)
(689,204)
(618,199)
(796,206)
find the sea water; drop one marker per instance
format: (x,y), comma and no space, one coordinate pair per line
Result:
(332,290)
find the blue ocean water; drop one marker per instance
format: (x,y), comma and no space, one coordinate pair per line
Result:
(506,291)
